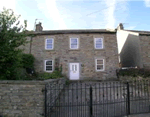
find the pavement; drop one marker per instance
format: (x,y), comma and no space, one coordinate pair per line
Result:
(139,115)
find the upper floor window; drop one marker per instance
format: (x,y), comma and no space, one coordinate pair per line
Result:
(99,64)
(49,44)
(98,43)
(74,43)
(48,65)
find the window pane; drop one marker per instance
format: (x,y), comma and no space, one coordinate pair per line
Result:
(48,68)
(99,61)
(48,62)
(98,46)
(73,41)
(99,40)
(99,43)
(75,67)
(99,67)
(73,46)
(72,67)
(49,46)
(49,41)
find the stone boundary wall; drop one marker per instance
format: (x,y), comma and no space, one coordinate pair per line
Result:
(25,98)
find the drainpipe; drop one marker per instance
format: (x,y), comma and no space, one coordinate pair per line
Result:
(30,45)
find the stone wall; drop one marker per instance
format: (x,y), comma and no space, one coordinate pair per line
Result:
(145,50)
(85,55)
(25,98)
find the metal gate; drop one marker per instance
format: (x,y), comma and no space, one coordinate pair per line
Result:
(96,99)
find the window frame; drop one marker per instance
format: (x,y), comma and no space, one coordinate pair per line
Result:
(48,65)
(102,42)
(100,64)
(77,43)
(52,44)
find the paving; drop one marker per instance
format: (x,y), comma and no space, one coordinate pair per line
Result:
(109,99)
(139,115)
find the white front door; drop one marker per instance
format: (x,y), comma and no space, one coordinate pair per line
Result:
(74,71)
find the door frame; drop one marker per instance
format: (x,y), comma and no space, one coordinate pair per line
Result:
(69,70)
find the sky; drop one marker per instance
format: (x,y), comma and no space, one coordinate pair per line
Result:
(82,14)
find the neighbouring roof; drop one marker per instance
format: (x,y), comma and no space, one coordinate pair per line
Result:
(140,32)
(77,31)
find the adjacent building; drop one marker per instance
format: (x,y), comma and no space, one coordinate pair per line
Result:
(133,48)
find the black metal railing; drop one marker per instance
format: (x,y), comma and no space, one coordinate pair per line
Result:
(98,99)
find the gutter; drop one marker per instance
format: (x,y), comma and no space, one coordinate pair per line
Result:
(142,34)
(107,31)
(51,33)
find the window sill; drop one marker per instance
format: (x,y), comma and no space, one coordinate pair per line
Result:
(74,49)
(49,50)
(101,71)
(48,71)
(99,49)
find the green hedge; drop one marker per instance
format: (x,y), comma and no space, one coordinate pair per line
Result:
(15,67)
(134,72)
(25,62)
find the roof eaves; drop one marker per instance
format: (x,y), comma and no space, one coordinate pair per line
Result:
(45,32)
(140,32)
(72,32)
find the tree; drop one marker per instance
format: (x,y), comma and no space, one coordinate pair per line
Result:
(12,35)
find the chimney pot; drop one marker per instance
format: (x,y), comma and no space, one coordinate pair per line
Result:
(120,27)
(39,27)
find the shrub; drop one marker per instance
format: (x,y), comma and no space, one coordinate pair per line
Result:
(9,68)
(54,75)
(67,82)
(12,36)
(19,68)
(28,60)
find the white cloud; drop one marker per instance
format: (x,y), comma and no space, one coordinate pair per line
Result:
(116,12)
(147,3)
(131,27)
(109,13)
(8,4)
(106,15)
(50,10)
(12,4)
(54,12)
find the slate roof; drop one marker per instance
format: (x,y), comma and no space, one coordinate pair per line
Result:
(77,31)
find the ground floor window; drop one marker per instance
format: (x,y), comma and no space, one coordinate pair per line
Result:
(99,63)
(49,65)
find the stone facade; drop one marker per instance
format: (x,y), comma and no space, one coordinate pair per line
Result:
(25,98)
(27,47)
(85,55)
(145,50)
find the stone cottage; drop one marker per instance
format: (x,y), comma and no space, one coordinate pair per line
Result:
(83,54)
(133,48)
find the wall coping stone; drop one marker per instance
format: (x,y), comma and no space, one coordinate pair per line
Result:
(32,82)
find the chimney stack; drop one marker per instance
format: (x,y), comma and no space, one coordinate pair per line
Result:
(39,27)
(120,27)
